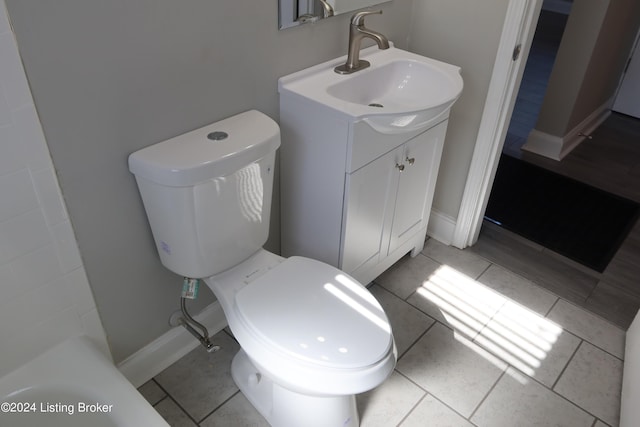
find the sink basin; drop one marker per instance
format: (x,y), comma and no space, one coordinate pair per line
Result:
(399,92)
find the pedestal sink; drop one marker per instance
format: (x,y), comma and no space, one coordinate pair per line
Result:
(399,92)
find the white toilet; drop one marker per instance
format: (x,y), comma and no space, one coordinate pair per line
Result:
(311,336)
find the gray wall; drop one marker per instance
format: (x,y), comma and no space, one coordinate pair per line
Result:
(465,33)
(591,57)
(111,77)
(114,76)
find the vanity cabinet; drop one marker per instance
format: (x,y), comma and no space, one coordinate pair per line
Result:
(352,196)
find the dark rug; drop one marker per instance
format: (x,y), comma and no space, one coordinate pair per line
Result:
(576,220)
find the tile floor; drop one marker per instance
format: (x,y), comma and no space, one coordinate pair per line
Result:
(478,345)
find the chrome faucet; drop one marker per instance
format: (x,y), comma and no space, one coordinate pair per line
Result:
(357,32)
(327,9)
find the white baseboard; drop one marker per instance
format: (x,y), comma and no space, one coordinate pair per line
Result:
(555,147)
(441,227)
(161,353)
(544,144)
(585,128)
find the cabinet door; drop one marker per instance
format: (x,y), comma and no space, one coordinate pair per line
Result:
(368,209)
(421,159)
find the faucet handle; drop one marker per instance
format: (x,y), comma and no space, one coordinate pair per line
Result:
(327,9)
(358,17)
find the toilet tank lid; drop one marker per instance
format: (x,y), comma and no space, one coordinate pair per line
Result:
(216,150)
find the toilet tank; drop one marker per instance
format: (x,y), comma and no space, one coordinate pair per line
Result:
(207,193)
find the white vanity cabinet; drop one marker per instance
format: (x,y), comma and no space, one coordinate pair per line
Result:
(387,201)
(351,196)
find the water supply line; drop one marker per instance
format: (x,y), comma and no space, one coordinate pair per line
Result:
(188,322)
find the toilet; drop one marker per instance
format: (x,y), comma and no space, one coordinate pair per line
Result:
(311,336)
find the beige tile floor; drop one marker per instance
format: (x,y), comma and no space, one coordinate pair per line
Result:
(479,345)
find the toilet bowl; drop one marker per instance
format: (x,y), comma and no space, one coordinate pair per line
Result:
(311,337)
(309,333)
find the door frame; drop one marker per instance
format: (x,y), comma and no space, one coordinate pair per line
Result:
(518,29)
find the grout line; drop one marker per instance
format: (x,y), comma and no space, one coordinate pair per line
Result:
(550,389)
(152,380)
(603,350)
(577,406)
(592,291)
(592,344)
(552,307)
(596,315)
(585,339)
(449,407)
(420,311)
(489,392)
(410,380)
(168,396)
(415,341)
(428,393)
(220,406)
(432,259)
(407,301)
(566,365)
(483,271)
(413,408)
(598,419)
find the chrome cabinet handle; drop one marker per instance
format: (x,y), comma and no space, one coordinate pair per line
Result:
(411,160)
(400,167)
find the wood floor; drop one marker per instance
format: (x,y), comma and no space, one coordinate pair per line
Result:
(609,161)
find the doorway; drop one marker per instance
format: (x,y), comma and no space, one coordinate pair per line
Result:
(546,40)
(541,206)
(520,24)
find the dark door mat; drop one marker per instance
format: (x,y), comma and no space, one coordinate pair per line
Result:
(573,219)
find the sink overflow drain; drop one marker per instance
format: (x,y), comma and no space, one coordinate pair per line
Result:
(375,104)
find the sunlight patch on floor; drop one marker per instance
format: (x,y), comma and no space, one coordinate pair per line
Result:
(510,331)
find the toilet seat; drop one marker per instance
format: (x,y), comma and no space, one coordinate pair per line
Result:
(312,313)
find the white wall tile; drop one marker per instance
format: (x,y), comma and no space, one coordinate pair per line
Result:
(55,329)
(79,291)
(17,194)
(22,234)
(5,111)
(4,21)
(12,77)
(66,246)
(8,290)
(35,269)
(31,137)
(35,306)
(92,327)
(45,296)
(27,343)
(12,155)
(49,196)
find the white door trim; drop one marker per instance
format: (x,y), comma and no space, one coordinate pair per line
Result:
(519,28)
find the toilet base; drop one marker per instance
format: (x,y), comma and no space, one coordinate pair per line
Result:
(284,408)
